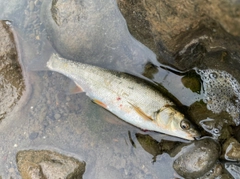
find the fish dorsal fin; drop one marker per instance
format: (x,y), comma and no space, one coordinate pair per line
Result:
(140,112)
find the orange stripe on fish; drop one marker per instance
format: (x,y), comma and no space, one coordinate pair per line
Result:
(100,103)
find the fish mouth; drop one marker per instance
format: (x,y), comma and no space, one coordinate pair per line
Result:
(198,136)
(195,135)
(194,132)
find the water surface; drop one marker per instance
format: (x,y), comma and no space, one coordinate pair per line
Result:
(48,118)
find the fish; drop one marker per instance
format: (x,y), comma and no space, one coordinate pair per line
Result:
(130,98)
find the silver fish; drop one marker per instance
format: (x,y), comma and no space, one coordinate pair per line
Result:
(129,98)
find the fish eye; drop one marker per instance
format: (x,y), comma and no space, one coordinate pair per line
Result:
(185,125)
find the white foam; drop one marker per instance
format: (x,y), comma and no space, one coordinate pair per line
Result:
(221,92)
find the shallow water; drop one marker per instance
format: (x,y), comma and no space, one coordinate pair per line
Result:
(48,118)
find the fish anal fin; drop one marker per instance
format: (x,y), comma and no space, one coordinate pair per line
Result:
(100,103)
(74,88)
(141,113)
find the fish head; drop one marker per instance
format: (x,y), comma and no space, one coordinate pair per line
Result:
(176,124)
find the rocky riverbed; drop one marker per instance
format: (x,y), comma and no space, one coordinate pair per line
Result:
(189,49)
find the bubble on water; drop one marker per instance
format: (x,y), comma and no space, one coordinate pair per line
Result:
(221,92)
(216,131)
(213,75)
(212,127)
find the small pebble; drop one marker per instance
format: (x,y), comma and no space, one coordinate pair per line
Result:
(11,170)
(31,6)
(33,135)
(57,116)
(68,98)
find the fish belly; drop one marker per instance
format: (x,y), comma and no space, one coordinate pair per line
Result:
(119,96)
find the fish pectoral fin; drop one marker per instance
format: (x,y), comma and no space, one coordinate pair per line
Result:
(100,103)
(141,113)
(74,88)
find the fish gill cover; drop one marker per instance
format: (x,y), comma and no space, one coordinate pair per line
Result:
(221,92)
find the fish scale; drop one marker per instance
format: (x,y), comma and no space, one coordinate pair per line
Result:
(128,97)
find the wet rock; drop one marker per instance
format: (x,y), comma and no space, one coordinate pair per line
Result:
(11,79)
(164,23)
(102,36)
(155,148)
(192,160)
(231,150)
(233,169)
(192,82)
(139,26)
(236,133)
(197,158)
(214,172)
(218,171)
(215,124)
(47,164)
(207,45)
(149,144)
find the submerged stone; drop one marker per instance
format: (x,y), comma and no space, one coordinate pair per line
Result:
(213,123)
(192,82)
(39,164)
(233,169)
(218,171)
(231,150)
(197,158)
(149,144)
(11,79)
(192,160)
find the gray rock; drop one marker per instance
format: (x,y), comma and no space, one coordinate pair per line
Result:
(33,135)
(11,79)
(233,169)
(57,116)
(47,164)
(197,158)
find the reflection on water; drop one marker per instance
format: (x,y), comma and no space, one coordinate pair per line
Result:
(72,124)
